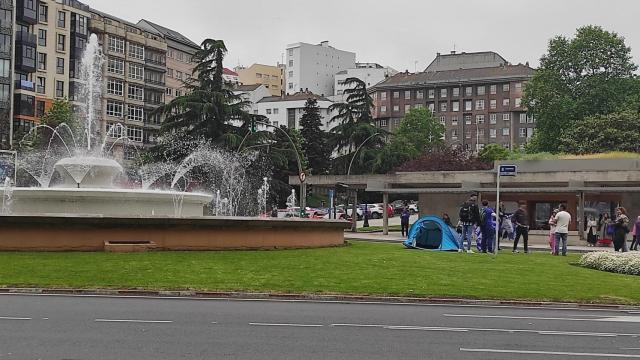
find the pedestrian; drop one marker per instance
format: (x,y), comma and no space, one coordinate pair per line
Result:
(620,230)
(447,220)
(592,231)
(605,228)
(469,217)
(552,231)
(521,221)
(636,235)
(562,220)
(404,222)
(501,218)
(487,227)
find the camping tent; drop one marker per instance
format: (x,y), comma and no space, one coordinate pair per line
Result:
(430,232)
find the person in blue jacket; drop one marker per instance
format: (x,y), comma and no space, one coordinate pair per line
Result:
(404,222)
(487,216)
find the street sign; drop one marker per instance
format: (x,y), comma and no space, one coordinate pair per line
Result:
(508,170)
(331,193)
(303,177)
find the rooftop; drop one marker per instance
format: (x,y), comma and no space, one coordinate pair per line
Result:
(171,34)
(466,60)
(251,87)
(228,71)
(303,95)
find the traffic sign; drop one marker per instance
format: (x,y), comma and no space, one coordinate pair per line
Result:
(331,193)
(508,170)
(303,177)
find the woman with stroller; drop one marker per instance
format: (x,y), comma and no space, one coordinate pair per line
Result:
(621,229)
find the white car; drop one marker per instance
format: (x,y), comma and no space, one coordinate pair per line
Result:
(413,208)
(376,211)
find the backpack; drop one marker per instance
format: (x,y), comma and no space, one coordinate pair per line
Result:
(465,213)
(482,216)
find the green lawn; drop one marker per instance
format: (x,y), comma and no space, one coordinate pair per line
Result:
(360,268)
(373,229)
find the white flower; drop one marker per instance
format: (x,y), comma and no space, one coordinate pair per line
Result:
(623,263)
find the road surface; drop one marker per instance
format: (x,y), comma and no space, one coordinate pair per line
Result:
(84,327)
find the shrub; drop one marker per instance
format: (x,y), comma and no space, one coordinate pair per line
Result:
(622,263)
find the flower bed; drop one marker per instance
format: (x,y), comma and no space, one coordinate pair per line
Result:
(623,263)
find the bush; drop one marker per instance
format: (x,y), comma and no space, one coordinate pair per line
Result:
(622,263)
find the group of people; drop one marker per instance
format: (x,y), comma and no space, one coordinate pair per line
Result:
(607,229)
(470,216)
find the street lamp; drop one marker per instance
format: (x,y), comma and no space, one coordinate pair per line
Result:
(354,209)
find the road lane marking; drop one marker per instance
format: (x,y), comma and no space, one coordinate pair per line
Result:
(558,353)
(520,317)
(426,328)
(135,321)
(358,325)
(14,318)
(286,324)
(621,319)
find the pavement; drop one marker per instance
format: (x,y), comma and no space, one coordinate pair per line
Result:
(98,327)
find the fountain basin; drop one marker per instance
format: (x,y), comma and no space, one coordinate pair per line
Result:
(107,202)
(88,172)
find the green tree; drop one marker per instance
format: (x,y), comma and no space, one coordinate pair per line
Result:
(493,152)
(603,133)
(420,128)
(588,75)
(316,146)
(60,112)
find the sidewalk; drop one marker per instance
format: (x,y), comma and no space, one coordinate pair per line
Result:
(535,244)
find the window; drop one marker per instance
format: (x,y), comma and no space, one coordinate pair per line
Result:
(479,119)
(443,93)
(383,96)
(454,120)
(134,133)
(505,102)
(493,104)
(418,106)
(135,92)
(493,133)
(420,94)
(455,106)
(59,89)
(468,105)
(443,107)
(383,123)
(523,118)
(5,67)
(62,40)
(59,65)
(467,134)
(40,108)
(505,87)
(43,13)
(481,90)
(443,120)
(468,91)
(396,94)
(518,102)
(179,75)
(454,134)
(275,111)
(467,119)
(455,92)
(136,71)
(407,95)
(506,117)
(290,52)
(481,132)
(135,113)
(5,43)
(431,107)
(531,119)
(396,108)
(518,86)
(169,92)
(41,85)
(505,131)
(5,90)
(290,63)
(81,25)
(116,45)
(180,56)
(42,61)
(493,118)
(493,89)
(170,73)
(62,19)
(42,37)
(340,92)
(115,66)
(479,104)
(383,109)
(523,132)
(136,51)
(275,123)
(115,87)
(115,109)
(268,111)
(407,108)
(178,93)
(432,93)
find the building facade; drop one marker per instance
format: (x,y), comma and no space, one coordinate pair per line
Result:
(479,104)
(272,77)
(313,67)
(230,77)
(370,73)
(287,110)
(7,20)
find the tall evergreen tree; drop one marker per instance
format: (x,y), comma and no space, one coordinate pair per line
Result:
(315,146)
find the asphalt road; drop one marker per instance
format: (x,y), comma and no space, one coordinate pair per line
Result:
(62,327)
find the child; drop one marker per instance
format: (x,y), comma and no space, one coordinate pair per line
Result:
(552,231)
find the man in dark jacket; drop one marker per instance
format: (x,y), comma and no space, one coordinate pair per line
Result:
(469,216)
(521,221)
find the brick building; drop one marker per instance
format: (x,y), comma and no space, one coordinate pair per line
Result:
(477,96)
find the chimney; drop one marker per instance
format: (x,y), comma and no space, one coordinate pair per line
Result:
(324,43)
(406,72)
(453,52)
(437,54)
(527,64)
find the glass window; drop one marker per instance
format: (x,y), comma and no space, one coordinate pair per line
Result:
(493,133)
(493,118)
(455,92)
(454,120)
(505,131)
(420,94)
(59,88)
(115,109)
(479,119)
(136,51)
(383,109)
(42,37)
(518,102)
(407,95)
(42,61)
(135,92)
(523,118)
(479,104)
(443,107)
(481,90)
(116,45)
(493,89)
(396,94)
(432,93)
(468,105)
(396,108)
(455,106)
(135,113)
(59,65)
(468,91)
(62,19)
(41,85)
(43,13)
(506,117)
(134,133)
(115,87)
(505,102)
(115,66)
(5,67)
(467,119)
(407,108)
(443,93)
(505,87)
(383,96)
(62,41)
(136,71)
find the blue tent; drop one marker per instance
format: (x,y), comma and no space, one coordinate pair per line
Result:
(431,233)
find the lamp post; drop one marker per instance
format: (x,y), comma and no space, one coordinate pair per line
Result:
(354,209)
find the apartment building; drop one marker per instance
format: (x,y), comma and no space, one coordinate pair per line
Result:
(24,66)
(287,110)
(313,67)
(477,96)
(370,73)
(272,77)
(6,72)
(179,63)
(134,76)
(230,77)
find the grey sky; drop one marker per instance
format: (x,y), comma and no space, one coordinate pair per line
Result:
(395,33)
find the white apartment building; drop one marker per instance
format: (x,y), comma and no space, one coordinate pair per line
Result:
(287,110)
(313,67)
(370,73)
(252,93)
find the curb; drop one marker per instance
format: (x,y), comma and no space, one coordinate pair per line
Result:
(310,297)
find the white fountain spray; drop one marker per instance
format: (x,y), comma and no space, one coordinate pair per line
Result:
(90,92)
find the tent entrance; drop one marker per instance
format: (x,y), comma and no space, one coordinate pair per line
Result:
(430,237)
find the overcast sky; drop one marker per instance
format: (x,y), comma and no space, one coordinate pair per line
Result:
(393,33)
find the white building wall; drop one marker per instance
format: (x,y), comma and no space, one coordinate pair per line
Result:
(370,76)
(313,67)
(277,112)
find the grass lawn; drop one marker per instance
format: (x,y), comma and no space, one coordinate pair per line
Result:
(360,268)
(373,229)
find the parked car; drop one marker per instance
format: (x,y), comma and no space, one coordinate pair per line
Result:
(349,211)
(375,211)
(413,208)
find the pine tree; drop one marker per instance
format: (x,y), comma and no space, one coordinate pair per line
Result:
(316,145)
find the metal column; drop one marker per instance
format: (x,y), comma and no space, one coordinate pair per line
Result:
(385,214)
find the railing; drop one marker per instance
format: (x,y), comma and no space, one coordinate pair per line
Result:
(156,62)
(153,102)
(154,82)
(26,38)
(24,85)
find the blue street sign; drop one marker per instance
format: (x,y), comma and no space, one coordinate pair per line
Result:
(508,170)
(331,193)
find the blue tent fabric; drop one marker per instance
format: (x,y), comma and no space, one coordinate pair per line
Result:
(431,233)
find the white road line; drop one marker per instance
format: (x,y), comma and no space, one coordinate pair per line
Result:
(523,317)
(558,353)
(426,328)
(135,321)
(14,318)
(359,325)
(286,324)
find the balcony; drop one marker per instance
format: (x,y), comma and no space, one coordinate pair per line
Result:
(25,14)
(153,102)
(26,38)
(155,64)
(154,83)
(24,85)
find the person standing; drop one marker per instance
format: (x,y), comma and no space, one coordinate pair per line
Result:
(404,222)
(487,227)
(447,220)
(521,221)
(469,217)
(562,220)
(592,231)
(621,229)
(499,228)
(552,231)
(636,235)
(605,224)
